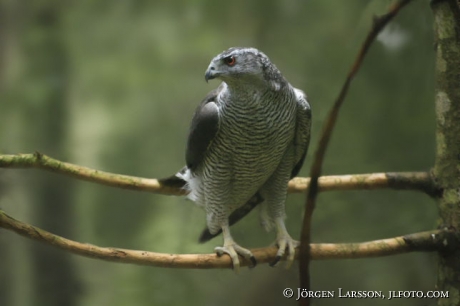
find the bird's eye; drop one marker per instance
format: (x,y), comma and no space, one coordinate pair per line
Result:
(230,60)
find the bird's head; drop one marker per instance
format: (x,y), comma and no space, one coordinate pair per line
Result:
(243,65)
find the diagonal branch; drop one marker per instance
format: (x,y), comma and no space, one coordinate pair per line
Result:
(419,242)
(420,181)
(378,25)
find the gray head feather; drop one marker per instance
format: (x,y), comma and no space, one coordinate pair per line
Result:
(248,65)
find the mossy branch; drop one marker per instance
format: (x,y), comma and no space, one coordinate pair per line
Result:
(419,242)
(420,181)
(41,161)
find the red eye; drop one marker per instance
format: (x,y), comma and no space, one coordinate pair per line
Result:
(230,60)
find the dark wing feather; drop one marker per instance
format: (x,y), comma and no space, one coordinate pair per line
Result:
(204,127)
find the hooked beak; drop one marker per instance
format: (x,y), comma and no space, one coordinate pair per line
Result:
(208,76)
(211,73)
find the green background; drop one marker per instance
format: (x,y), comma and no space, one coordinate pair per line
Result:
(112,85)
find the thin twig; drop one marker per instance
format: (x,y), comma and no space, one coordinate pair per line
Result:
(420,181)
(419,242)
(378,24)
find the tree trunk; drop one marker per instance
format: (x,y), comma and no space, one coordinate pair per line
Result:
(447,164)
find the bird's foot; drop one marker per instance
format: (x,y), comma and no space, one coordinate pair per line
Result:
(233,249)
(285,242)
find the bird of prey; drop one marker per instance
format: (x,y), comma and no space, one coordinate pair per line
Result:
(247,139)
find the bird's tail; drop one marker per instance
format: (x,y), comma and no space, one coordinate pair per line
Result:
(177,181)
(172,182)
(235,216)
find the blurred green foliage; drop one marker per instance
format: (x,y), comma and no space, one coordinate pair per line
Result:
(112,85)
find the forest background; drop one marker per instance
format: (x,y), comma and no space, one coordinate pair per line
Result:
(113,85)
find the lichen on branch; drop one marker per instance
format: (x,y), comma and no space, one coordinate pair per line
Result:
(424,241)
(420,181)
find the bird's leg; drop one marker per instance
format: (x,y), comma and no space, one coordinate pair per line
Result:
(232,249)
(284,240)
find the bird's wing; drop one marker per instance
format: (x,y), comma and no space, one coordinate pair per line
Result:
(302,132)
(204,127)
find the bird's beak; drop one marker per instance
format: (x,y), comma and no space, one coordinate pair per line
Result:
(211,73)
(208,76)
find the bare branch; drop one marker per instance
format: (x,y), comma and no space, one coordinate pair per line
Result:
(378,24)
(420,181)
(418,242)
(38,160)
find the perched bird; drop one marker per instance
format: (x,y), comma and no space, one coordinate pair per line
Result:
(247,139)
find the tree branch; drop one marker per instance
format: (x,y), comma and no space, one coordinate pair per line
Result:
(41,161)
(419,242)
(420,181)
(378,24)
